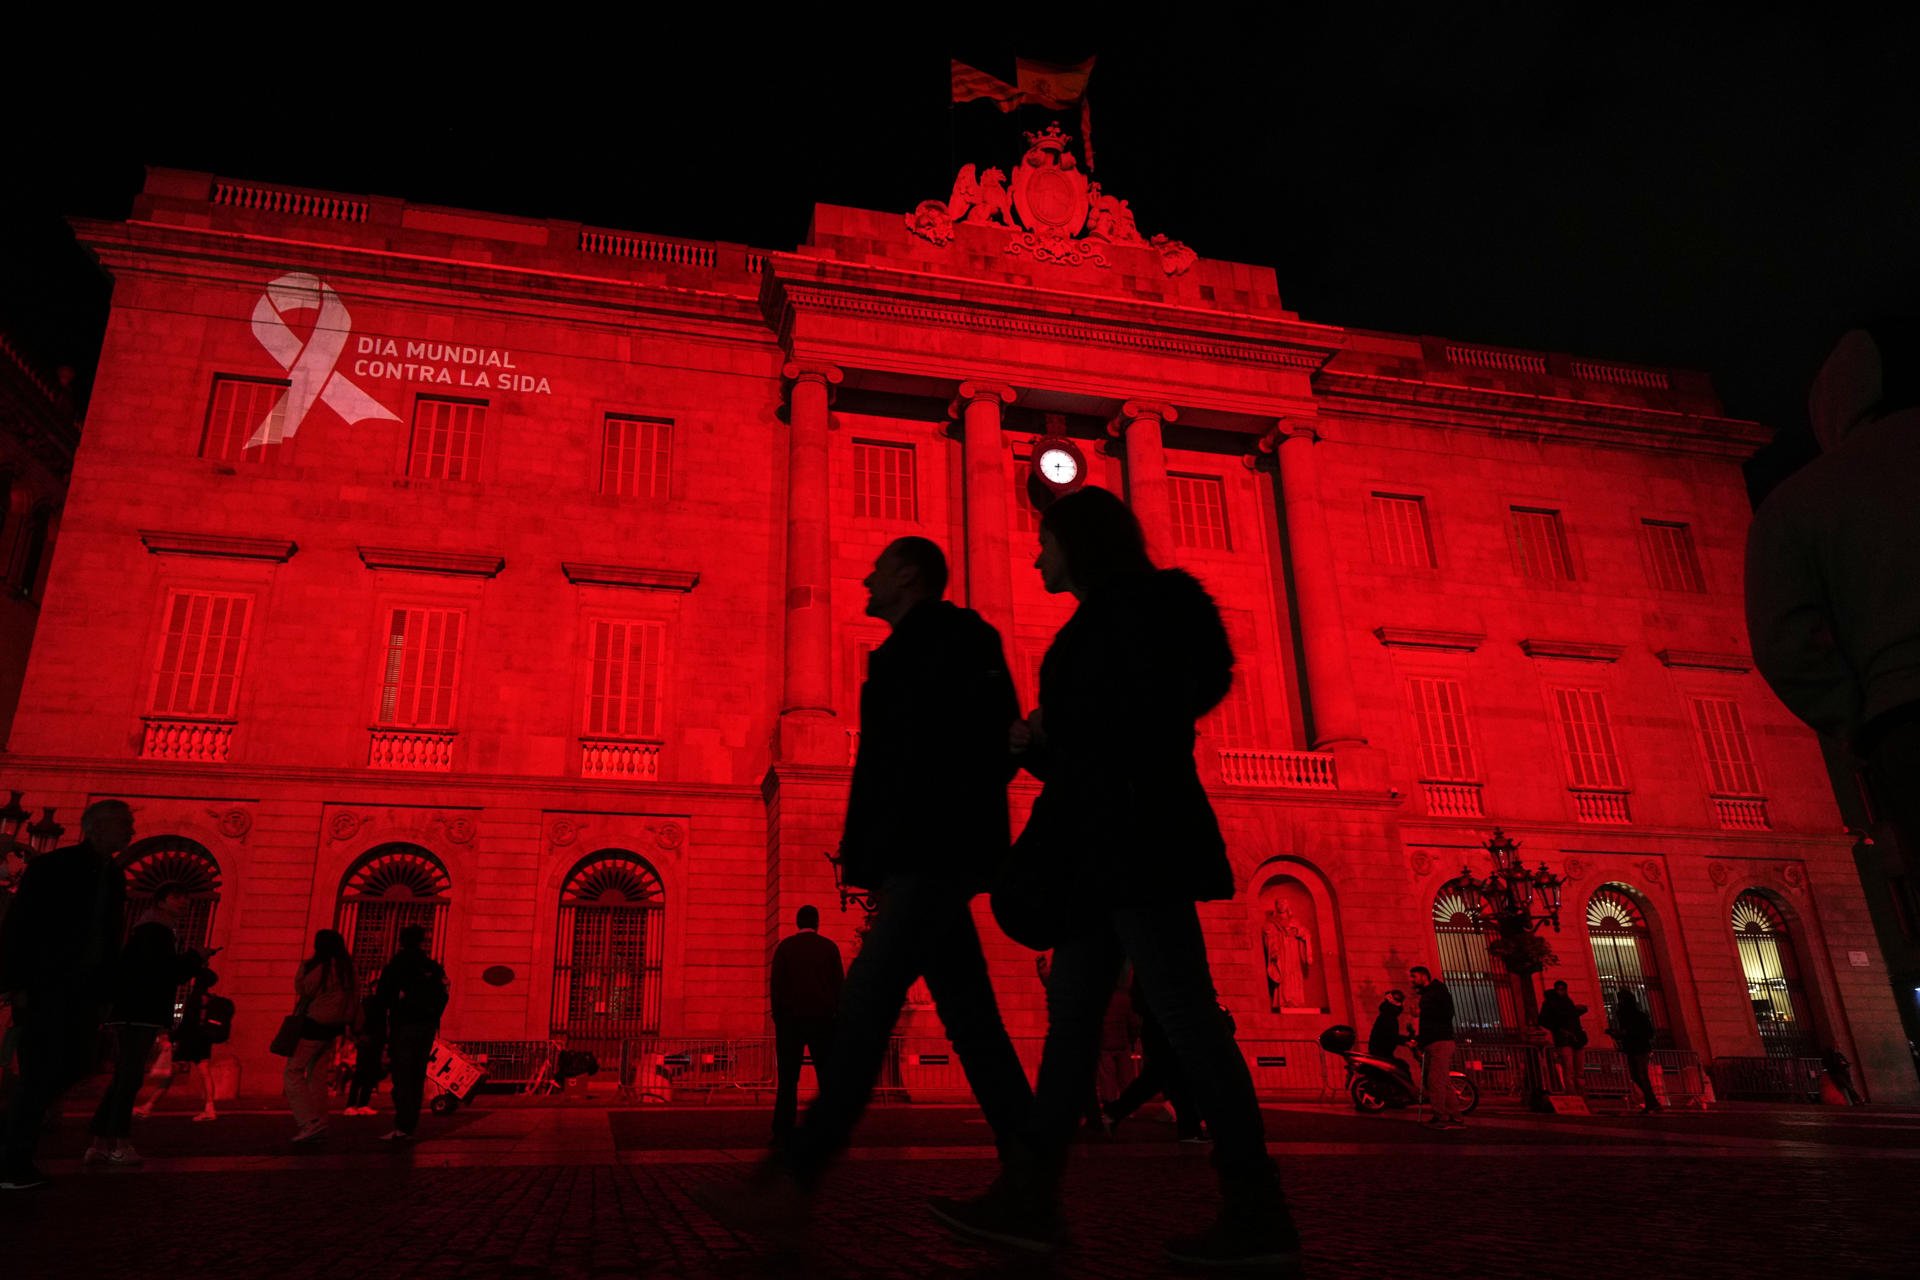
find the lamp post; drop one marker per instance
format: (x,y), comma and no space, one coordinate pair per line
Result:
(1511,904)
(42,836)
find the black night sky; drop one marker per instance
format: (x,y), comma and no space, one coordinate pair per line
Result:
(1657,185)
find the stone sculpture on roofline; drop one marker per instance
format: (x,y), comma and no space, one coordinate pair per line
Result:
(1052,213)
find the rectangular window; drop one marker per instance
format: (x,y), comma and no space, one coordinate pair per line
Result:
(1400,534)
(423,666)
(1446,746)
(883,486)
(1026,516)
(1587,736)
(634,457)
(1726,747)
(623,682)
(1236,723)
(1671,558)
(1540,545)
(446,439)
(197,672)
(1199,512)
(244,420)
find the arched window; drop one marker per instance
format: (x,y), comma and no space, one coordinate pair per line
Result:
(608,949)
(1483,999)
(175,862)
(1773,976)
(394,886)
(1623,954)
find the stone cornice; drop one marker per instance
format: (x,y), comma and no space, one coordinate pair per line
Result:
(1512,412)
(1419,638)
(1572,650)
(631,576)
(460,564)
(220,545)
(1697,658)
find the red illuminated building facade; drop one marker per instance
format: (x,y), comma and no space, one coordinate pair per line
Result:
(501,575)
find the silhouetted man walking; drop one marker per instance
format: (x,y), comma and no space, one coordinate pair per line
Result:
(1435,1037)
(804,989)
(926,825)
(411,995)
(57,958)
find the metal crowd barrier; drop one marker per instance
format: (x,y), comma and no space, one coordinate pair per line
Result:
(1768,1079)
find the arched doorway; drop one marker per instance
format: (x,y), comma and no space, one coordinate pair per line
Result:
(1484,1004)
(393,886)
(1773,975)
(1623,955)
(177,863)
(609,949)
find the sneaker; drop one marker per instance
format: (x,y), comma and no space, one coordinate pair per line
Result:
(1198,1135)
(1273,1248)
(770,1203)
(124,1154)
(24,1180)
(205,1116)
(95,1155)
(1001,1217)
(143,1112)
(397,1135)
(311,1132)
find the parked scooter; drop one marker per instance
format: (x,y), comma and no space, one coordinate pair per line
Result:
(1375,1084)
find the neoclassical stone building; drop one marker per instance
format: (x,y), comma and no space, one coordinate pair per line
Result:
(430,565)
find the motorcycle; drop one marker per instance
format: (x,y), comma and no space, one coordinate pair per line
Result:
(1375,1084)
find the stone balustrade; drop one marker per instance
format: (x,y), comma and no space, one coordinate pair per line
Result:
(611,758)
(1742,813)
(198,741)
(1453,800)
(1299,770)
(414,750)
(1603,808)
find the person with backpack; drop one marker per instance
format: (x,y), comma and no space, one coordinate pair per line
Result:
(205,1020)
(328,995)
(412,994)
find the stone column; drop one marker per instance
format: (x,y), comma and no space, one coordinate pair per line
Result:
(1336,713)
(989,543)
(1148,492)
(808,729)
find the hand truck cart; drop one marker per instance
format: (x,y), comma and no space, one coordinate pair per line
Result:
(452,1077)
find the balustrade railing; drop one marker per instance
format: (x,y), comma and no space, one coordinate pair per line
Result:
(1608,808)
(1741,813)
(198,741)
(1453,800)
(608,758)
(269,200)
(681,253)
(1505,361)
(1621,375)
(421,750)
(1306,770)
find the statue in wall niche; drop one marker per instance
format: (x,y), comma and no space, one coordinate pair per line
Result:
(1289,952)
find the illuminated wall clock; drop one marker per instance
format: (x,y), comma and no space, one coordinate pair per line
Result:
(1059,465)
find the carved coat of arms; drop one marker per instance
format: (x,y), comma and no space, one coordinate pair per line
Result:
(1053,211)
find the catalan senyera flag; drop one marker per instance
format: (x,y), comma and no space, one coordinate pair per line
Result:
(971,84)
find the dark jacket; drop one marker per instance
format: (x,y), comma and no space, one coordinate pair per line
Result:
(1142,658)
(1436,1013)
(149,974)
(929,790)
(806,976)
(1632,1028)
(1386,1035)
(412,991)
(62,932)
(1560,1015)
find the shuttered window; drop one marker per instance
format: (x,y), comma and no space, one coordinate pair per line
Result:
(1199,512)
(423,668)
(1726,747)
(244,419)
(635,457)
(883,481)
(446,439)
(1587,736)
(623,679)
(1400,533)
(1672,562)
(197,672)
(1446,747)
(1540,545)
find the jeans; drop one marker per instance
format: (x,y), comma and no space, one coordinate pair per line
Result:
(306,1081)
(1637,1071)
(1439,1083)
(366,1072)
(132,1046)
(923,928)
(408,1048)
(58,1035)
(792,1039)
(1169,956)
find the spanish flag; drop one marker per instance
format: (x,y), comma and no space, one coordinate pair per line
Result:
(971,84)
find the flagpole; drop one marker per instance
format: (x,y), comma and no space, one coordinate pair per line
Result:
(1086,129)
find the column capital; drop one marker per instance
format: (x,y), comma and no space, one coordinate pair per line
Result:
(1135,410)
(1290,429)
(829,376)
(998,392)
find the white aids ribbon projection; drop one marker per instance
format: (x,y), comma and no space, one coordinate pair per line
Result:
(309,364)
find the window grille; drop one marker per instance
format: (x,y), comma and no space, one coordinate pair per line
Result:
(883,481)
(245,417)
(1236,723)
(1540,545)
(1587,737)
(446,439)
(1773,976)
(609,950)
(423,665)
(623,681)
(1673,561)
(1400,533)
(1623,956)
(1446,745)
(197,671)
(1726,747)
(394,886)
(1483,999)
(635,457)
(1199,512)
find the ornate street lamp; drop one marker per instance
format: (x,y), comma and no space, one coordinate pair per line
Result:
(45,834)
(1510,905)
(42,836)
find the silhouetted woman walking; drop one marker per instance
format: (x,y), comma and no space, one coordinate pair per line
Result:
(328,997)
(1131,843)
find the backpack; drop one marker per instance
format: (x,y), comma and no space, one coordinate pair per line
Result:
(216,1019)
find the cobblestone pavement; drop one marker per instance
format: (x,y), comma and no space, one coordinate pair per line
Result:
(583,1192)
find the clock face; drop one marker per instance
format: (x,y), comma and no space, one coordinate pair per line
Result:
(1059,466)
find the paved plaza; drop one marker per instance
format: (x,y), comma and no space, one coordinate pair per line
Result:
(584,1191)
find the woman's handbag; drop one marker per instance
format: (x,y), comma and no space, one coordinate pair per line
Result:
(287,1039)
(1041,894)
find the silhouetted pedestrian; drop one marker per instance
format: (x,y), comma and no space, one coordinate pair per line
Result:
(1840,1071)
(1832,558)
(1126,839)
(1160,1074)
(327,996)
(1633,1031)
(146,979)
(369,1057)
(1386,1036)
(412,993)
(803,987)
(58,950)
(1434,1037)
(1560,1018)
(926,826)
(205,1020)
